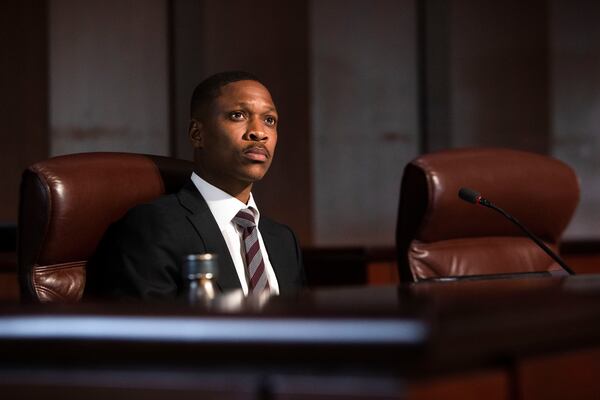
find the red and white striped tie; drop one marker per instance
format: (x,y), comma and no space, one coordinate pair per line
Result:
(257,282)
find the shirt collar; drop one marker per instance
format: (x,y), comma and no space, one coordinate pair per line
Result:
(223,206)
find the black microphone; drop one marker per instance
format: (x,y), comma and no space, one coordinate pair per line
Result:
(474,197)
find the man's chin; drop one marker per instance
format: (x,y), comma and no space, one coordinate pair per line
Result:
(253,178)
(255,173)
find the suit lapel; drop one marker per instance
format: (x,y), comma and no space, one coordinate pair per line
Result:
(205,225)
(277,256)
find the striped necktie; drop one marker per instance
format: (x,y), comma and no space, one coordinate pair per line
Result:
(255,265)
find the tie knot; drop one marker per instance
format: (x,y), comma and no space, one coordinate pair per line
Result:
(245,218)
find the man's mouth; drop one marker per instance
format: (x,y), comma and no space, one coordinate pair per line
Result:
(256,153)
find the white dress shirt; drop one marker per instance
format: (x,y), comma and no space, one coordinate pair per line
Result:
(224,208)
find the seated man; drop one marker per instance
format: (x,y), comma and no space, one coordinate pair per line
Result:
(233,131)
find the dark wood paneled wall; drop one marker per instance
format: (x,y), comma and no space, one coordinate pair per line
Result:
(433,74)
(186,68)
(364,122)
(24,94)
(575,116)
(515,74)
(497,91)
(108,76)
(484,74)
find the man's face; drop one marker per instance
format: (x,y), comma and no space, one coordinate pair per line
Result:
(236,136)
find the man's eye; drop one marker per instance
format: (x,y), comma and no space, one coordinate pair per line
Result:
(270,121)
(237,115)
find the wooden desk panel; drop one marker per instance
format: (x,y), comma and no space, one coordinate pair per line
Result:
(491,338)
(488,384)
(9,287)
(572,375)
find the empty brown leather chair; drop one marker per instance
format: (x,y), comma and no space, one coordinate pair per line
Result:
(66,205)
(438,235)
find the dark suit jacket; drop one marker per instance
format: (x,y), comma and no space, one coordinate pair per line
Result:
(141,255)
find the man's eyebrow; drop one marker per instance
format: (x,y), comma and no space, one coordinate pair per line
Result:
(246,104)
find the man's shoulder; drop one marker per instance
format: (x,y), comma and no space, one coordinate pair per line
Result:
(165,204)
(268,225)
(158,215)
(271,223)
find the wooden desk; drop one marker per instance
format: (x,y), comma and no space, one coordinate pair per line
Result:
(494,339)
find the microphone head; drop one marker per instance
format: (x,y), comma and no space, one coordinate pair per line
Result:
(469,195)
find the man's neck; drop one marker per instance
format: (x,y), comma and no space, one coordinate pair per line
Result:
(239,190)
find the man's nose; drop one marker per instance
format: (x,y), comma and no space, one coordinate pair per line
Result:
(257,135)
(256,132)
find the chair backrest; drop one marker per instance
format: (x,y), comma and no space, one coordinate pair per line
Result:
(439,235)
(66,205)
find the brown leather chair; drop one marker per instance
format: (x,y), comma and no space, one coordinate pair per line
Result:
(438,235)
(66,205)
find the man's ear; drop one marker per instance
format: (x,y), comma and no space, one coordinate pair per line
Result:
(195,133)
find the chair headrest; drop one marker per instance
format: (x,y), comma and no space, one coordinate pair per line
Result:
(540,191)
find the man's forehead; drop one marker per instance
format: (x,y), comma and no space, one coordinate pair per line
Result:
(245,93)
(245,86)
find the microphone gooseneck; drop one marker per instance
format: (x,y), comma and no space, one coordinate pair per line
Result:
(471,196)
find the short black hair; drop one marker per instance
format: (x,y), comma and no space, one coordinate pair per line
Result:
(208,89)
